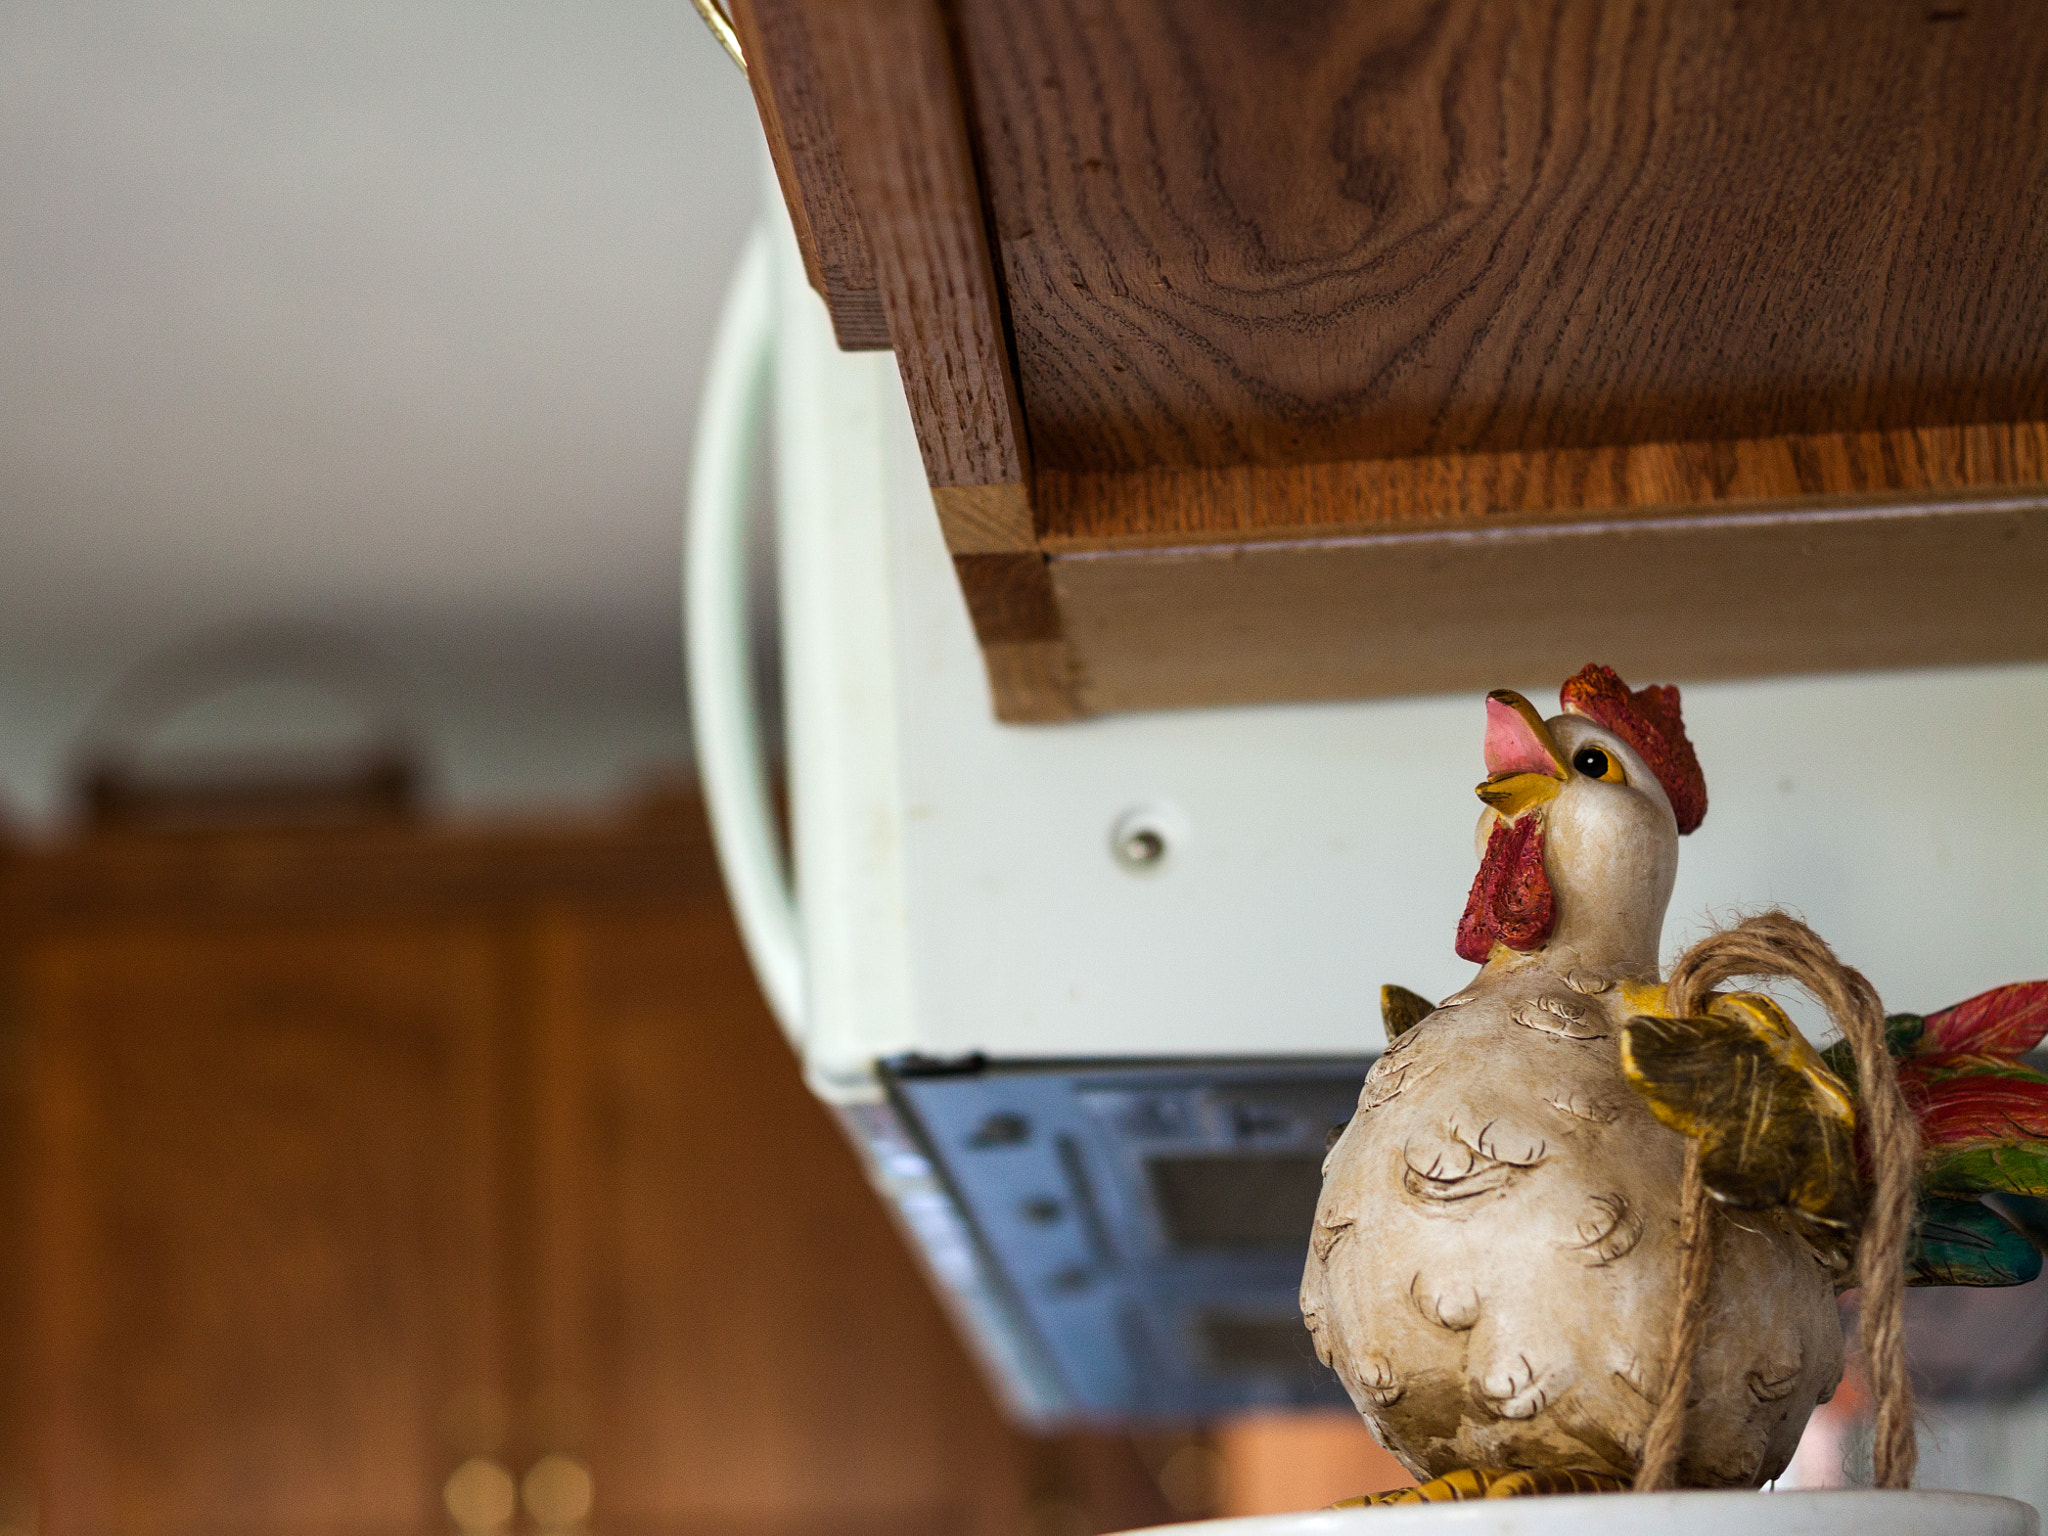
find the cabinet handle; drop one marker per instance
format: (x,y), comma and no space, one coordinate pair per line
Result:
(480,1496)
(557,1492)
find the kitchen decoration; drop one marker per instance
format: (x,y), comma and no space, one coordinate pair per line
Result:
(1586,1229)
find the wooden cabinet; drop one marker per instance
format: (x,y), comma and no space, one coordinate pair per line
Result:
(721,1322)
(267,1247)
(346,1159)
(1304,351)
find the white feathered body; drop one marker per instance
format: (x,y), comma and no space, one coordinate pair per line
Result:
(1495,1262)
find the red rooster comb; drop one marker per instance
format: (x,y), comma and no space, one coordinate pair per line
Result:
(1649,720)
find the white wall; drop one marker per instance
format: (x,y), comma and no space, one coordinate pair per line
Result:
(387,315)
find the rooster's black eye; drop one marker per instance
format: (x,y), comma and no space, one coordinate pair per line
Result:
(1591,761)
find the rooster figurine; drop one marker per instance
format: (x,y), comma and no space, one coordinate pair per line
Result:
(1496,1256)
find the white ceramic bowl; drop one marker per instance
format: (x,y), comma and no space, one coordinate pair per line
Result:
(1830,1512)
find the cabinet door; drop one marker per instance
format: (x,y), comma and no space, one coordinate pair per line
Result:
(265,1181)
(728,1328)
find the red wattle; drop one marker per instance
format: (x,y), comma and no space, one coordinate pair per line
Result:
(1511,901)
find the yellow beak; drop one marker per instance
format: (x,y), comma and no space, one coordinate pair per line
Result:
(1522,760)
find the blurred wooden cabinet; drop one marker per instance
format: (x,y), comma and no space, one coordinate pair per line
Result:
(722,1317)
(267,1178)
(348,1160)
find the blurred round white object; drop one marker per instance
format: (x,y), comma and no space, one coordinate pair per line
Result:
(1825,1512)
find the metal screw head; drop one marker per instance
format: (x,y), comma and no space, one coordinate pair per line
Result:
(1145,834)
(1140,848)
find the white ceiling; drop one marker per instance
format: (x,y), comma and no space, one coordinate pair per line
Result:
(385,315)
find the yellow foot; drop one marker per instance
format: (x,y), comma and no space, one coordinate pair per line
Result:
(1483,1483)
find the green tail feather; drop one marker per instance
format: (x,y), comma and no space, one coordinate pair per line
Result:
(1965,1242)
(1902,1032)
(2009,1168)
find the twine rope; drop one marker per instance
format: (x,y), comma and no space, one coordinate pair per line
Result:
(1778,944)
(1697,1224)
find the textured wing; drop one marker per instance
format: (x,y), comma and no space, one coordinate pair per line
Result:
(1401,1010)
(1773,1126)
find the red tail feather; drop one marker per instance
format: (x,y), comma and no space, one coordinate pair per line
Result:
(2006,1021)
(1968,1110)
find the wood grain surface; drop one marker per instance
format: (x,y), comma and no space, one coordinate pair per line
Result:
(895,106)
(784,76)
(1751,594)
(1016,617)
(266,1232)
(1246,233)
(1164,506)
(1009,598)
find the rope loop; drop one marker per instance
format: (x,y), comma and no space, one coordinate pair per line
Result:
(1776,944)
